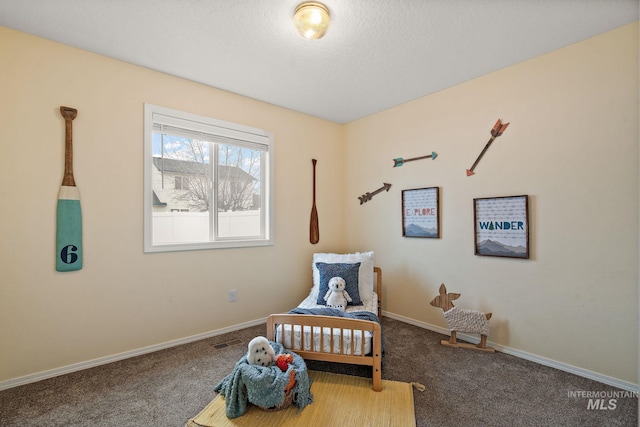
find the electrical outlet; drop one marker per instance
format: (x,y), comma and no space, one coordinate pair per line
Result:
(232,295)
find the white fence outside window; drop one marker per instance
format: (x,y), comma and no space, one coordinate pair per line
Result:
(192,227)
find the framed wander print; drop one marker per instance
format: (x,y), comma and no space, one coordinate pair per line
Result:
(421,213)
(502,226)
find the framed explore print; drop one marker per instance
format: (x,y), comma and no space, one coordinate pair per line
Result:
(420,212)
(502,226)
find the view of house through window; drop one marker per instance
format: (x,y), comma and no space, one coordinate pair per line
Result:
(206,183)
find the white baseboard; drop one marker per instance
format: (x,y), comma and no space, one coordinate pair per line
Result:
(605,379)
(39,376)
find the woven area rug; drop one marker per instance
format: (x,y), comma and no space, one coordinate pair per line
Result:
(338,400)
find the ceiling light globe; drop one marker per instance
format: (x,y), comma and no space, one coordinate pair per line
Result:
(311,19)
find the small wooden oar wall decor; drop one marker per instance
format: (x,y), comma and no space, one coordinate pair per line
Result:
(498,129)
(314,230)
(367,196)
(400,161)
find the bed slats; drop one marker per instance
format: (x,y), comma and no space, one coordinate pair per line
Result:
(333,328)
(336,327)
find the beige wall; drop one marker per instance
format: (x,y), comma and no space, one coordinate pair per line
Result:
(123,299)
(572,146)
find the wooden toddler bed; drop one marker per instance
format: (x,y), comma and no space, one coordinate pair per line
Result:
(334,339)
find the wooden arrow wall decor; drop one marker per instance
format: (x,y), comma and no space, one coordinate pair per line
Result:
(367,196)
(400,161)
(497,130)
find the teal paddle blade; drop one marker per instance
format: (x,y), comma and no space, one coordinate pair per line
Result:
(68,235)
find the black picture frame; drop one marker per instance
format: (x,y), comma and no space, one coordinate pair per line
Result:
(501,226)
(421,212)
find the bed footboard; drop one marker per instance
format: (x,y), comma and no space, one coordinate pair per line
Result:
(330,339)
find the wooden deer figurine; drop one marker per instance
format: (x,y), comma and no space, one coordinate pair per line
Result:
(459,319)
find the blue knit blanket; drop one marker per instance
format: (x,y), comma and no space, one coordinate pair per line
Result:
(264,385)
(328,311)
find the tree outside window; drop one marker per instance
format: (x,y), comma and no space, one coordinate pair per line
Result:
(204,188)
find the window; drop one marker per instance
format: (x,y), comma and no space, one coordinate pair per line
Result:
(182,182)
(207,183)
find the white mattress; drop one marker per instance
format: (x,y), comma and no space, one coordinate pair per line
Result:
(310,302)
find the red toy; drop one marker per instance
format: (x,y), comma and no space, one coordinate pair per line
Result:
(283,360)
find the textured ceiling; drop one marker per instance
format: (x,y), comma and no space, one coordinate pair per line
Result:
(376,54)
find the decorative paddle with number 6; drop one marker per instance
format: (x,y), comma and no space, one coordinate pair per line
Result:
(69,214)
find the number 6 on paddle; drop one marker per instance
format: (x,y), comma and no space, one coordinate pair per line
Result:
(69,215)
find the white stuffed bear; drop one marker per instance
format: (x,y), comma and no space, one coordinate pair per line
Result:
(260,352)
(337,296)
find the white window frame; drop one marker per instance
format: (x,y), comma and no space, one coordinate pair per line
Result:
(224,130)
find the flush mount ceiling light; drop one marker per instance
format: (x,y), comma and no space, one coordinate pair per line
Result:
(311,19)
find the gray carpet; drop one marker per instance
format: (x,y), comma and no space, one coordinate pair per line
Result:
(463,387)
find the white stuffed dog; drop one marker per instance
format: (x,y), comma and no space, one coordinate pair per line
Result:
(260,352)
(337,296)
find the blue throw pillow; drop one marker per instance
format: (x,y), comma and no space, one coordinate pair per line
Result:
(349,272)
